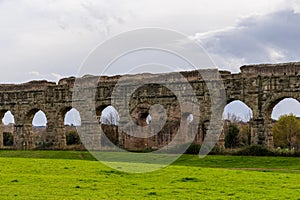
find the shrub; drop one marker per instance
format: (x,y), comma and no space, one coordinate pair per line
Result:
(193,149)
(218,151)
(232,136)
(255,150)
(72,138)
(44,145)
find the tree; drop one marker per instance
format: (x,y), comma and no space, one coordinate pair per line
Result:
(232,136)
(286,132)
(245,135)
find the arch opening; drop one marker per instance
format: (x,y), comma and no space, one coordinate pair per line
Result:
(237,111)
(142,118)
(71,121)
(236,129)
(38,128)
(109,116)
(148,119)
(8,129)
(286,106)
(72,118)
(39,119)
(285,125)
(189,117)
(8,118)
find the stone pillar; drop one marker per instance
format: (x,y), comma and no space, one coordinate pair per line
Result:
(29,142)
(91,135)
(1,129)
(56,130)
(23,137)
(257,131)
(61,141)
(269,142)
(261,132)
(185,127)
(1,135)
(18,136)
(253,129)
(199,132)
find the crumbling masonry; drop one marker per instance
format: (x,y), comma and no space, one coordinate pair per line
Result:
(260,87)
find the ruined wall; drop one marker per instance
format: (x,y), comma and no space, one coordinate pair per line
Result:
(260,87)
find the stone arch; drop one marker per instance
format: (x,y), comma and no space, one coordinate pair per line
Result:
(286,106)
(139,113)
(71,120)
(231,106)
(72,117)
(99,110)
(108,118)
(39,123)
(241,114)
(31,113)
(148,119)
(267,109)
(10,119)
(31,136)
(108,115)
(39,119)
(6,129)
(274,100)
(295,109)
(61,113)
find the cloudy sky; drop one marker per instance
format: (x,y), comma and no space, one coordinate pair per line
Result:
(49,39)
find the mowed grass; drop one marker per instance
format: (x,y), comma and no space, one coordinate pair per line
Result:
(76,175)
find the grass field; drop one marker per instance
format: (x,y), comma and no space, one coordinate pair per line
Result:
(76,175)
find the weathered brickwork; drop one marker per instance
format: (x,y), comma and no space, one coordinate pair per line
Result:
(260,87)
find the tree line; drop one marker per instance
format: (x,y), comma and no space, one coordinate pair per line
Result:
(286,133)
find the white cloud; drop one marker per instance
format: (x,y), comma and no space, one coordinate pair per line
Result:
(57,76)
(50,36)
(52,76)
(35,73)
(55,36)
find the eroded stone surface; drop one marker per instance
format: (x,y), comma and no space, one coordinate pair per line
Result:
(260,87)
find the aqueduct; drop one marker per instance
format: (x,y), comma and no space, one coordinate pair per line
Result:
(260,87)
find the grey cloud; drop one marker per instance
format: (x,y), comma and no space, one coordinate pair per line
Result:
(257,39)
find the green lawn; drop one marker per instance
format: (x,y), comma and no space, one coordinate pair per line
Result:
(76,175)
